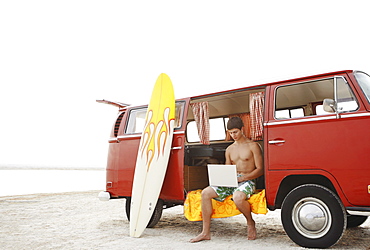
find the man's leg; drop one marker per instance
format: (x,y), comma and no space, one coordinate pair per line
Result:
(240,200)
(207,195)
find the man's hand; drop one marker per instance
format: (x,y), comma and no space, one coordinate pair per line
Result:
(241,178)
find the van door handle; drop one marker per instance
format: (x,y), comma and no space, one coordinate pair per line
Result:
(176,148)
(276,141)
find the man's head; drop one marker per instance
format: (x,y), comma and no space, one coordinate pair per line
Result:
(235,122)
(234,127)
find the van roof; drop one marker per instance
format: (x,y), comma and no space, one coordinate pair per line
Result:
(262,86)
(234,92)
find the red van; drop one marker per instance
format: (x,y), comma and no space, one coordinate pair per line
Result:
(315,140)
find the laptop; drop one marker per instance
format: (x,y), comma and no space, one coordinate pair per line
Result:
(222,175)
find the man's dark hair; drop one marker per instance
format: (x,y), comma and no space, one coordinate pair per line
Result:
(235,122)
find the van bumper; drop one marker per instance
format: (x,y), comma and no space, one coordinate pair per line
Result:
(362,211)
(104,196)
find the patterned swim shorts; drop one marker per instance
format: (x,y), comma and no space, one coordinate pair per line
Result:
(247,187)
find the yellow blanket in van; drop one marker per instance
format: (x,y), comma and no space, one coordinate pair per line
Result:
(226,208)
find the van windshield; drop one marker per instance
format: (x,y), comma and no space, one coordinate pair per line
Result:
(364,82)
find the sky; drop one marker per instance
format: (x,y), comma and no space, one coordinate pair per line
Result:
(58,57)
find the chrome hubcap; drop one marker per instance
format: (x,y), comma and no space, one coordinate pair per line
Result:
(311,217)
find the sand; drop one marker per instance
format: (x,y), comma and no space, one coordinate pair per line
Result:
(80,221)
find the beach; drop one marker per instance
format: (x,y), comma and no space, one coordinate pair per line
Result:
(78,220)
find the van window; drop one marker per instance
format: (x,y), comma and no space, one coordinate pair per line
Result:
(320,110)
(364,81)
(305,99)
(297,100)
(217,130)
(289,113)
(179,112)
(346,100)
(136,120)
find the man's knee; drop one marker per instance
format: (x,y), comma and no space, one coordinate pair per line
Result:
(208,193)
(239,197)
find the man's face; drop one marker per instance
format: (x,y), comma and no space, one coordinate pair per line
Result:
(235,133)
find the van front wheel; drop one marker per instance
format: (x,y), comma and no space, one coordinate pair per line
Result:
(313,216)
(157,214)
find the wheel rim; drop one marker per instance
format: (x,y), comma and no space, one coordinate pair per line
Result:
(311,217)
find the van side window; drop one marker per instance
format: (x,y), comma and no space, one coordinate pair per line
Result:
(364,81)
(179,112)
(289,113)
(217,130)
(346,100)
(306,99)
(299,100)
(136,120)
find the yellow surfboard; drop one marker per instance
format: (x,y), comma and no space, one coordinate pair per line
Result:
(153,155)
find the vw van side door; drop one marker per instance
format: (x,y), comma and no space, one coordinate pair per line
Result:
(304,139)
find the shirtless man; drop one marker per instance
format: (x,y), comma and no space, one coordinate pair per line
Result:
(247,157)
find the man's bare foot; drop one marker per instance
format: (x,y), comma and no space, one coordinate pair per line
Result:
(252,231)
(200,237)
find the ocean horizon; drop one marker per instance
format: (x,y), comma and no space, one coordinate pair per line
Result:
(12,166)
(23,180)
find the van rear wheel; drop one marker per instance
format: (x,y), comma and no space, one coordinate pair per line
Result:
(313,216)
(157,214)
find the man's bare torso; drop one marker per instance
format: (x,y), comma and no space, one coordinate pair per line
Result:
(240,154)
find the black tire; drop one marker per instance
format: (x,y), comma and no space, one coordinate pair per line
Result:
(355,220)
(313,216)
(157,214)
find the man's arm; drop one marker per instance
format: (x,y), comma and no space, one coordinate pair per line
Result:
(227,157)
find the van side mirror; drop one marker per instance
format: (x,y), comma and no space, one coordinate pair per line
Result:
(329,105)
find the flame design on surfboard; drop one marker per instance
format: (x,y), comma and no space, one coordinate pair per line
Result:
(155,136)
